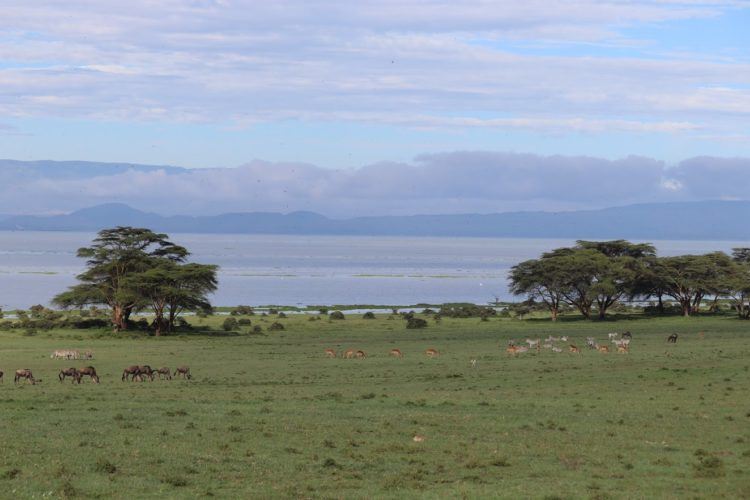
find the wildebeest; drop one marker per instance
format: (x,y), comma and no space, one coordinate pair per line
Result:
(89,371)
(184,371)
(131,371)
(24,373)
(164,371)
(70,372)
(147,371)
(672,338)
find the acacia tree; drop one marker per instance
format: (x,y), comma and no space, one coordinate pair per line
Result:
(738,283)
(115,255)
(688,279)
(170,287)
(539,279)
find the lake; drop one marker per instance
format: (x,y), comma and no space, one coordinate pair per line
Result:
(307,270)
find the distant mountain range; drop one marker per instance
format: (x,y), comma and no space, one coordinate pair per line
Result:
(721,220)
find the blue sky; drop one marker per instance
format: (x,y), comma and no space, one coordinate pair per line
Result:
(346,84)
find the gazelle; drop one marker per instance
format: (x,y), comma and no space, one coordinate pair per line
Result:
(396,353)
(432,353)
(512,350)
(574,349)
(621,349)
(361,354)
(604,348)
(348,354)
(330,353)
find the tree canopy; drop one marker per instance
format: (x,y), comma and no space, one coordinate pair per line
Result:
(130,269)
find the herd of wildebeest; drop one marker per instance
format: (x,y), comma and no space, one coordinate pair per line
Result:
(132,373)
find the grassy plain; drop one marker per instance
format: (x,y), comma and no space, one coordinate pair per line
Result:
(269,416)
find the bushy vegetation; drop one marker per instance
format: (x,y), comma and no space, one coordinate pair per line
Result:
(413,323)
(336,315)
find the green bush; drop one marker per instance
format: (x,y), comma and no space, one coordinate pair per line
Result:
(368,315)
(230,324)
(337,315)
(416,323)
(242,311)
(244,322)
(276,326)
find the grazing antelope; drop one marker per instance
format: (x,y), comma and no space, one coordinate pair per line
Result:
(603,348)
(184,371)
(557,349)
(432,353)
(330,353)
(70,372)
(512,350)
(24,373)
(574,349)
(348,354)
(418,438)
(396,353)
(522,349)
(165,372)
(361,354)
(131,371)
(621,349)
(672,338)
(147,371)
(89,371)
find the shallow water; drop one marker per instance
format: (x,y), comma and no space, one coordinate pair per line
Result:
(307,270)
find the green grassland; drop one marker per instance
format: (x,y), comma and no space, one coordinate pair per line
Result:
(267,415)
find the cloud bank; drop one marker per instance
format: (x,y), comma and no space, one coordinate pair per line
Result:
(452,182)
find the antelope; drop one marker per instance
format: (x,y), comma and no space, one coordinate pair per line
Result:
(557,349)
(473,362)
(621,349)
(512,350)
(564,338)
(512,342)
(552,339)
(24,373)
(672,338)
(574,349)
(184,371)
(132,372)
(330,353)
(432,353)
(164,371)
(522,349)
(418,438)
(604,348)
(147,371)
(70,372)
(361,354)
(88,371)
(396,353)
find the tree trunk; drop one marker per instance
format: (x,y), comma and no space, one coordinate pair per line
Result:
(660,306)
(119,320)
(685,307)
(553,312)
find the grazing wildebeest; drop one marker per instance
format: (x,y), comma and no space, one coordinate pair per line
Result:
(672,338)
(164,371)
(89,371)
(24,373)
(70,372)
(147,371)
(184,371)
(396,353)
(131,371)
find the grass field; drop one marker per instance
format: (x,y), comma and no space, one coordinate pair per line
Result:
(269,416)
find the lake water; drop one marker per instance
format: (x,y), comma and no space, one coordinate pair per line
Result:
(307,270)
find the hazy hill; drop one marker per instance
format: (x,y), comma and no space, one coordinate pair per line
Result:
(693,220)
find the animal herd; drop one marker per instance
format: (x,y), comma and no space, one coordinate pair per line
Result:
(395,353)
(76,375)
(622,344)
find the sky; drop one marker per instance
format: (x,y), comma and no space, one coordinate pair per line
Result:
(371,89)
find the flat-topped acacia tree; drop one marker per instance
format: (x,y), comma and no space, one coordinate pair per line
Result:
(121,261)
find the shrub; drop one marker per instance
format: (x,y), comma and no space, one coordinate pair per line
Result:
(276,326)
(466,311)
(229,324)
(244,322)
(368,315)
(242,311)
(273,311)
(407,315)
(282,315)
(416,323)
(257,329)
(337,315)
